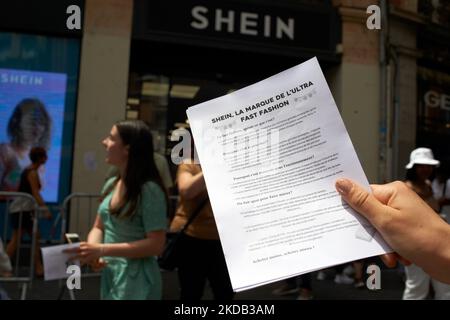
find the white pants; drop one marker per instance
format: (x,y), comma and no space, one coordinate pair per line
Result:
(418,283)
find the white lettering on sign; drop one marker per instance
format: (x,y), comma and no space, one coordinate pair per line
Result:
(21,79)
(228,20)
(248,22)
(245,23)
(434,99)
(201,22)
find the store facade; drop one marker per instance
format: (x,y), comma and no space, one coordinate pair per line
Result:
(417,106)
(39,60)
(151,60)
(433,80)
(184,53)
(39,69)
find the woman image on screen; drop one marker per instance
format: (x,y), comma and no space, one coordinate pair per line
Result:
(29,126)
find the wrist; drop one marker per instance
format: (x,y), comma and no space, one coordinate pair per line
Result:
(438,261)
(102,250)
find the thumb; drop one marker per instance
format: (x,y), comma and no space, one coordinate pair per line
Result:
(360,200)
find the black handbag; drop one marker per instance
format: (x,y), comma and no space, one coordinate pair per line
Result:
(170,257)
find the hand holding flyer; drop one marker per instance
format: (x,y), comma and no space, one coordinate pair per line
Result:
(271,153)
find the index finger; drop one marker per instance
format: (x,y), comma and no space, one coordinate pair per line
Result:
(72,250)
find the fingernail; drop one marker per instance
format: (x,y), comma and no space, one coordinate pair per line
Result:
(343,186)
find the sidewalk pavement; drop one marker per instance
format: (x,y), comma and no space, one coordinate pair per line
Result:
(391,289)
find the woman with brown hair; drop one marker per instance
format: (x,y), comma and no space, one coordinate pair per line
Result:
(129,231)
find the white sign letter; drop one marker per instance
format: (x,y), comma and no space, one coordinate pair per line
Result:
(287,29)
(202,22)
(432,99)
(267,26)
(249,20)
(445,102)
(229,21)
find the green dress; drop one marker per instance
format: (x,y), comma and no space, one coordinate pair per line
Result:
(133,278)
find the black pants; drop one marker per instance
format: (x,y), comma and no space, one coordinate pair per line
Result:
(203,260)
(27,221)
(303,281)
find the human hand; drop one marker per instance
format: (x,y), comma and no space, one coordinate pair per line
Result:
(45,212)
(404,220)
(98,265)
(86,252)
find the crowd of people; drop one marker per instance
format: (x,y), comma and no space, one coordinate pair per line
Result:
(129,232)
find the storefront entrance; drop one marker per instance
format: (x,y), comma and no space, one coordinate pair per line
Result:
(200,51)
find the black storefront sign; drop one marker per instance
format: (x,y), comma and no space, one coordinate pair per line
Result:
(434,102)
(285,28)
(46,17)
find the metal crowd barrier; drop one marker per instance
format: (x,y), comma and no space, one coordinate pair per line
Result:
(81,209)
(25,279)
(78,211)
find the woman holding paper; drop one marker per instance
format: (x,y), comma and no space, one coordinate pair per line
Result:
(203,257)
(129,231)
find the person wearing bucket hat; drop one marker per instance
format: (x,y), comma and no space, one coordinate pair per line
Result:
(420,169)
(422,156)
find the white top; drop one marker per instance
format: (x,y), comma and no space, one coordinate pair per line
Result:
(438,189)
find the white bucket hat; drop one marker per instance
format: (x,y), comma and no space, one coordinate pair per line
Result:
(422,156)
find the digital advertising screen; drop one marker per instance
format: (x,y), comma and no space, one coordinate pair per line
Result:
(31,115)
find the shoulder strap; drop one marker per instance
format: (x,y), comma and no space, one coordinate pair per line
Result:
(195,214)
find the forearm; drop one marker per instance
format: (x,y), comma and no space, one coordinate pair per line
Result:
(193,187)
(95,235)
(136,249)
(437,265)
(39,199)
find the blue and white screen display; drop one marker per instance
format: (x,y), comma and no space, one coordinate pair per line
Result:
(31,114)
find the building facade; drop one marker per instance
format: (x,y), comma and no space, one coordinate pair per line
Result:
(151,60)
